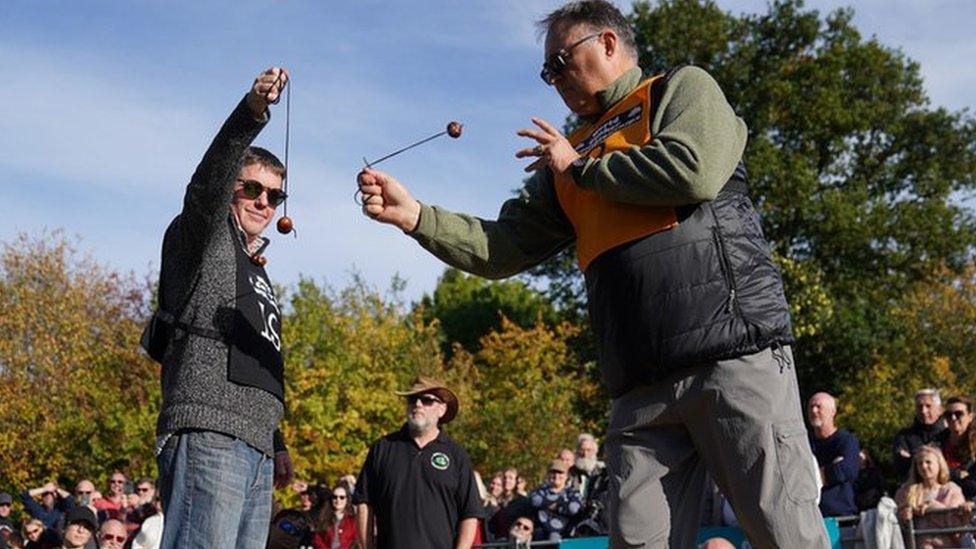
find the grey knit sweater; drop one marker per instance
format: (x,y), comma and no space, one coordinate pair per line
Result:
(199,269)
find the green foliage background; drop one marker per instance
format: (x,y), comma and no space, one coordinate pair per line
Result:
(861,183)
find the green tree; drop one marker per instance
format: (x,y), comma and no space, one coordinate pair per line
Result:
(528,394)
(933,349)
(469,307)
(79,397)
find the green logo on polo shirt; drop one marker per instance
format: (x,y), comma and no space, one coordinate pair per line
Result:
(440,461)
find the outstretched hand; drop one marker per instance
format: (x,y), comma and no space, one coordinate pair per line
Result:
(266,90)
(553,149)
(386,200)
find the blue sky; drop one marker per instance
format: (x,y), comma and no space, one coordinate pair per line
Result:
(108,106)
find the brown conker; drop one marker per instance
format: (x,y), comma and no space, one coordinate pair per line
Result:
(259,260)
(454,129)
(285,225)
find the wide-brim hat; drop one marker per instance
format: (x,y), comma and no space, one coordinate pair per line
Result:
(423,385)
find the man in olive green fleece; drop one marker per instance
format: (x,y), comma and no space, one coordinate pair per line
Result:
(692,327)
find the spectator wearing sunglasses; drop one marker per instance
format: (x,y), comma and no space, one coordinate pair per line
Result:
(838,456)
(685,302)
(114,504)
(38,536)
(957,443)
(336,523)
(520,534)
(112,535)
(217,335)
(417,487)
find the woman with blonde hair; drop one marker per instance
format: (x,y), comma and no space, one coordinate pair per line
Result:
(929,489)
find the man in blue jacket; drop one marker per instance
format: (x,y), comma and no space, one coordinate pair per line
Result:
(837,452)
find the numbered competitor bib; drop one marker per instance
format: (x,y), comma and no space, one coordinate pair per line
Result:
(255,342)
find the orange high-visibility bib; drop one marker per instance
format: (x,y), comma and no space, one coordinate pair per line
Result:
(599,223)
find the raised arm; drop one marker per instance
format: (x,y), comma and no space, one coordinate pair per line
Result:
(530,228)
(208,195)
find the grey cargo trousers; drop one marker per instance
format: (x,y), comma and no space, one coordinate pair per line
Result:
(741,420)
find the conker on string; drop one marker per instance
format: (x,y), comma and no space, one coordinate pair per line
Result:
(454,129)
(285,225)
(259,260)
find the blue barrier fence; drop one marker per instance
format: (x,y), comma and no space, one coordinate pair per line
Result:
(732,534)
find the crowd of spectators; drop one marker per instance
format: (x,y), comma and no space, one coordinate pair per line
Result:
(934,458)
(126,515)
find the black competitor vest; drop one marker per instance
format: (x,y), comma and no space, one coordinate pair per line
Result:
(255,340)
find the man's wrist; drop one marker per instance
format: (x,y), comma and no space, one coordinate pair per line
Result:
(413,219)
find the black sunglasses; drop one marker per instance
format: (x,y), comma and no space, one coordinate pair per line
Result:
(252,189)
(426,400)
(954,414)
(556,63)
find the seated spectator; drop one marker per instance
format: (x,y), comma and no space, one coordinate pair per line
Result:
(491,504)
(556,504)
(54,502)
(34,537)
(79,525)
(928,424)
(85,493)
(520,534)
(566,456)
(869,487)
(151,531)
(509,487)
(112,535)
(928,489)
(838,455)
(6,501)
(511,505)
(290,529)
(336,525)
(114,504)
(955,444)
(586,467)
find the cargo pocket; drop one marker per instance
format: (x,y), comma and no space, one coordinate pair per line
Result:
(795,462)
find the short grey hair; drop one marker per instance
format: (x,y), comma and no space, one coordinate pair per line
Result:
(597,14)
(587,437)
(929,392)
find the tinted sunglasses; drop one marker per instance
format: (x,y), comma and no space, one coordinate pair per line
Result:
(556,63)
(426,400)
(110,537)
(523,526)
(252,189)
(955,414)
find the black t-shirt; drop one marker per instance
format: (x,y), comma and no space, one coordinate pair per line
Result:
(418,495)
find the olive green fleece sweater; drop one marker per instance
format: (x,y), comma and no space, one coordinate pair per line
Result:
(697,142)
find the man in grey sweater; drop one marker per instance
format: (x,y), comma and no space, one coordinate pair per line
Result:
(222,371)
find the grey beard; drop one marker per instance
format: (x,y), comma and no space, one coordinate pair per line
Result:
(419,427)
(585,464)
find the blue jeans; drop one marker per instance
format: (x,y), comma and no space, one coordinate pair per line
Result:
(215,490)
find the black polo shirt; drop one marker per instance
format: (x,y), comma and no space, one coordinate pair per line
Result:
(418,495)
